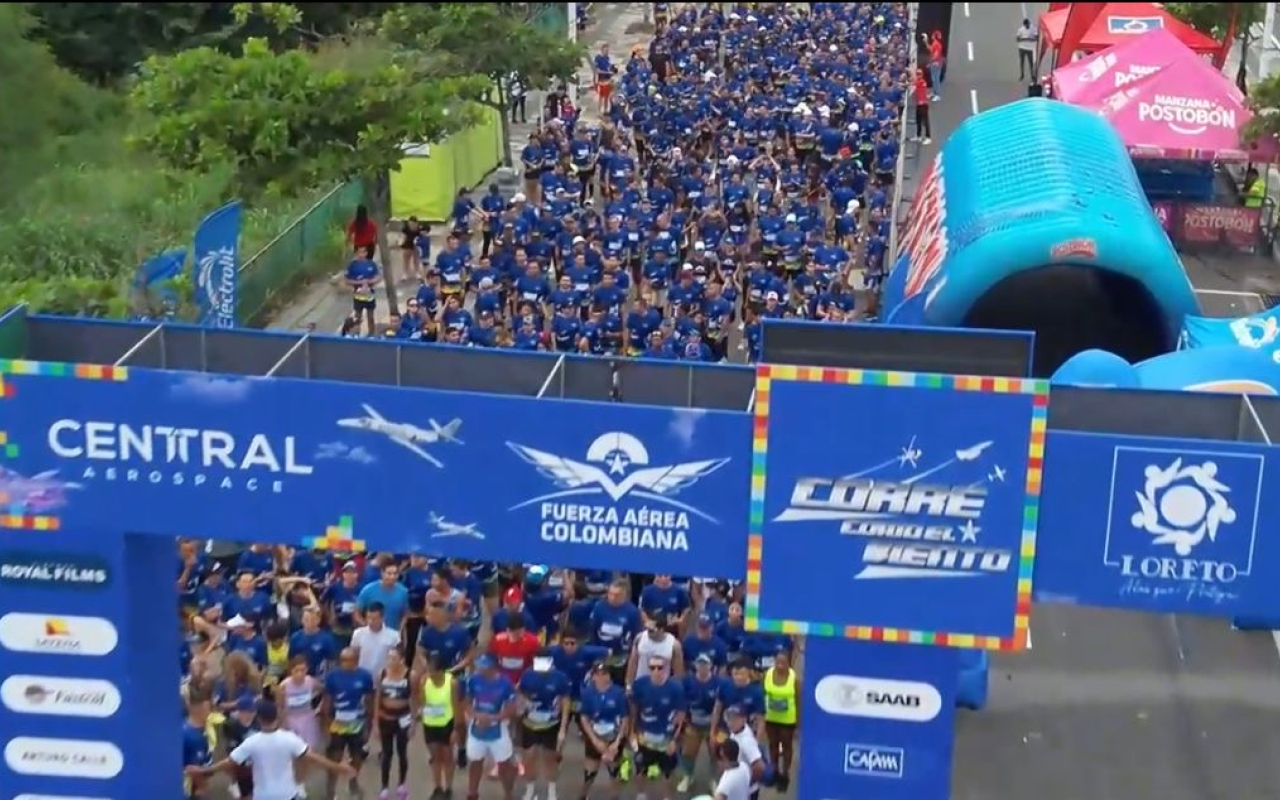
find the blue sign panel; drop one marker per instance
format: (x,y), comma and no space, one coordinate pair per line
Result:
(895,502)
(878,721)
(1133,26)
(1159,525)
(348,465)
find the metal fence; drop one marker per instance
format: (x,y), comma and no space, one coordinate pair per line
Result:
(307,249)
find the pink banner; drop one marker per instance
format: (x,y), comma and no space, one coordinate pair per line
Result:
(1203,224)
(1164,212)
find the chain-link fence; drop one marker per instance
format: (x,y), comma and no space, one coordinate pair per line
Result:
(307,249)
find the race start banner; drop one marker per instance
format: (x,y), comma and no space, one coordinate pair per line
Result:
(1160,525)
(348,466)
(878,721)
(895,506)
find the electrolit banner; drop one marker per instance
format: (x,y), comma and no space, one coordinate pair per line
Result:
(1160,525)
(878,721)
(351,466)
(64,721)
(895,505)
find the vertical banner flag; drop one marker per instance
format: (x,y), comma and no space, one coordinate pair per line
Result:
(894,506)
(217,264)
(151,279)
(878,720)
(1160,525)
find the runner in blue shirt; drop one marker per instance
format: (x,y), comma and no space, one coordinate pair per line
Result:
(489,705)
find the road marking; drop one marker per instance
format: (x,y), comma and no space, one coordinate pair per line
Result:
(973,100)
(966,9)
(1228,293)
(970,48)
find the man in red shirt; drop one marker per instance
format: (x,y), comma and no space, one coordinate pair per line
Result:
(924,131)
(514,648)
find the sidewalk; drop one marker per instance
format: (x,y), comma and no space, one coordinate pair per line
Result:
(324,304)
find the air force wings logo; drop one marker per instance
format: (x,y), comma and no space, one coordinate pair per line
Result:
(617,465)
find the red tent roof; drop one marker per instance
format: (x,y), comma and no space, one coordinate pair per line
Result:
(1120,22)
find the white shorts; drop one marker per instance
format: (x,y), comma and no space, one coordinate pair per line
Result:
(500,750)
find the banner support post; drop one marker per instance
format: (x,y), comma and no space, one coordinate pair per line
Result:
(1253,412)
(289,353)
(120,362)
(751,401)
(551,376)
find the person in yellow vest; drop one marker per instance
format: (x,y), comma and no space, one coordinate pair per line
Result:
(1255,189)
(781,715)
(436,705)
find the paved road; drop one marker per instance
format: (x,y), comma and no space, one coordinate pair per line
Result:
(1112,705)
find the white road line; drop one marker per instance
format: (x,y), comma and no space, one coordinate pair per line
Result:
(970,48)
(973,100)
(966,9)
(1228,293)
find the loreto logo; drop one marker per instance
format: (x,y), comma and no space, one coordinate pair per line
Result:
(54,570)
(874,761)
(878,698)
(60,697)
(1183,522)
(50,634)
(63,758)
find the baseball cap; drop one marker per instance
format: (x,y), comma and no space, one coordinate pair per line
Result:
(791,218)
(771,296)
(246,703)
(599,667)
(579,240)
(238,622)
(734,711)
(513,595)
(486,661)
(703,658)
(518,197)
(486,283)
(350,566)
(705,619)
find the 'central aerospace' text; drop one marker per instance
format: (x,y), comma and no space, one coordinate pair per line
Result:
(176,456)
(645,527)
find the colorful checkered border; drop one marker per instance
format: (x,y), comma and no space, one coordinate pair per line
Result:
(337,538)
(11,516)
(765,376)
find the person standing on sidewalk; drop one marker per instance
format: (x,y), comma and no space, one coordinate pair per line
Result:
(1027,38)
(936,62)
(920,90)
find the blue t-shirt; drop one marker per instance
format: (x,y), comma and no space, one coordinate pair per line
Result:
(449,645)
(395,601)
(694,646)
(672,599)
(615,626)
(604,711)
(749,698)
(348,689)
(195,746)
(488,695)
(544,691)
(577,664)
(317,648)
(700,698)
(657,709)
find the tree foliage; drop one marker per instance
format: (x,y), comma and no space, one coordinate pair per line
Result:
(1215,20)
(285,120)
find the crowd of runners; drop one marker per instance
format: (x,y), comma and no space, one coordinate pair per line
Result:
(496,669)
(742,169)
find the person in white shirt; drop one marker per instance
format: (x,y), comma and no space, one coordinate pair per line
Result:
(272,753)
(735,781)
(373,641)
(1027,38)
(749,753)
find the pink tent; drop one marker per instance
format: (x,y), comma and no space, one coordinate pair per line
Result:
(1186,110)
(1095,77)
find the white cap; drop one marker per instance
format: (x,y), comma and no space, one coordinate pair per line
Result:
(833,48)
(687,267)
(771,296)
(699,246)
(853,127)
(791,218)
(486,283)
(238,622)
(801,109)
(579,240)
(853,206)
(518,197)
(709,75)
(734,15)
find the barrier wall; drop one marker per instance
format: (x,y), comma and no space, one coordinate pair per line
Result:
(425,185)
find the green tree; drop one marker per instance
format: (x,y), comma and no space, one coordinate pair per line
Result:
(1215,19)
(290,119)
(448,39)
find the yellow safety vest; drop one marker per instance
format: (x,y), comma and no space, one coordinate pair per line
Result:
(1255,194)
(437,702)
(780,701)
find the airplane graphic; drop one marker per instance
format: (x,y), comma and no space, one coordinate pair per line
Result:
(997,474)
(910,454)
(405,434)
(446,528)
(40,492)
(972,453)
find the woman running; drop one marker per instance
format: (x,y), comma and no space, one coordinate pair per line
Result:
(395,721)
(437,702)
(781,714)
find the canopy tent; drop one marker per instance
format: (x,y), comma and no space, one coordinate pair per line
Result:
(1184,110)
(1121,22)
(1095,77)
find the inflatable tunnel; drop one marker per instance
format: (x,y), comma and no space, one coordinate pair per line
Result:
(1031,217)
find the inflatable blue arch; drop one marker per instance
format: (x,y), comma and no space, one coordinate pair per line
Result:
(1031,217)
